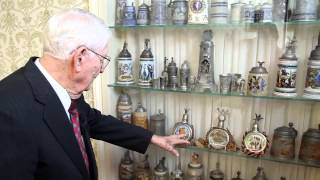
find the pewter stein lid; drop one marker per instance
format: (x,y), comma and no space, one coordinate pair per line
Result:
(125,53)
(260,175)
(126,159)
(290,53)
(143,7)
(158,117)
(259,69)
(161,168)
(124,99)
(286,131)
(312,133)
(146,53)
(140,108)
(238,176)
(217,173)
(315,54)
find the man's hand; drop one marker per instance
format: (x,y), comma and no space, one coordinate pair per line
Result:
(168,142)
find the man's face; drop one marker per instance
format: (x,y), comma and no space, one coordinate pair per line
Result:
(88,66)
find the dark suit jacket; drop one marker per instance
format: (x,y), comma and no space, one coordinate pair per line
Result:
(36,138)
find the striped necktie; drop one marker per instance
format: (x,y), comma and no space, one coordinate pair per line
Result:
(76,129)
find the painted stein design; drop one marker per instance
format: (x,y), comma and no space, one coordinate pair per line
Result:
(120,4)
(180,12)
(260,174)
(287,73)
(126,171)
(158,12)
(129,16)
(312,85)
(205,78)
(124,108)
(195,169)
(216,174)
(185,76)
(220,137)
(161,171)
(143,171)
(124,63)
(146,67)
(306,10)
(309,150)
(143,16)
(157,124)
(198,12)
(140,117)
(283,142)
(184,127)
(258,81)
(255,143)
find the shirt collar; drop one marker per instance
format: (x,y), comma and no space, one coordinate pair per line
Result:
(60,91)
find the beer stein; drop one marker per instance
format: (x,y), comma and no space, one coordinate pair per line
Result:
(157,124)
(247,13)
(283,142)
(218,11)
(287,73)
(195,168)
(126,167)
(120,4)
(216,174)
(143,16)
(306,10)
(124,64)
(158,12)
(312,85)
(129,16)
(236,12)
(161,171)
(185,76)
(258,81)
(124,107)
(172,75)
(140,117)
(180,12)
(309,150)
(146,66)
(143,171)
(205,78)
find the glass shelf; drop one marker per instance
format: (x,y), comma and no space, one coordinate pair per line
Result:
(217,25)
(241,154)
(135,86)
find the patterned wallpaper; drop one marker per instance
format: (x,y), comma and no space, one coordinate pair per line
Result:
(21,24)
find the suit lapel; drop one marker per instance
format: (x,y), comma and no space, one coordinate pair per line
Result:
(55,116)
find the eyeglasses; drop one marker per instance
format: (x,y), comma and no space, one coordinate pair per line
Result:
(104,59)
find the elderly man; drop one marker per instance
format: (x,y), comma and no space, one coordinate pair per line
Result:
(45,123)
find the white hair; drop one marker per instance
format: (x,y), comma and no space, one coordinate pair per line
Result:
(68,30)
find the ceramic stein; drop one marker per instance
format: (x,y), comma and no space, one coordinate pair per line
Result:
(310,144)
(258,81)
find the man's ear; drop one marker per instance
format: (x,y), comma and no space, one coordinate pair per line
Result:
(78,57)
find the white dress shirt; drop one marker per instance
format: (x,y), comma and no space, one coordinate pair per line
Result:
(60,91)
